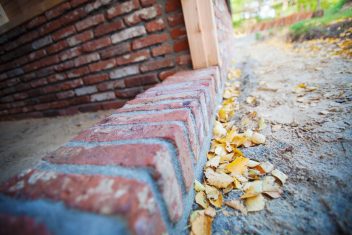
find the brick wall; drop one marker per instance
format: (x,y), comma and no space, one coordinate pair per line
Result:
(132,172)
(85,55)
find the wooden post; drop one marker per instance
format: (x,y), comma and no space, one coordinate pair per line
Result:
(201,32)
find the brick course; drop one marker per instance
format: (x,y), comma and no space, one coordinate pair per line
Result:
(90,40)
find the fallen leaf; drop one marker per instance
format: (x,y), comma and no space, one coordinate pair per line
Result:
(200,223)
(237,166)
(280,175)
(218,202)
(212,192)
(270,185)
(219,130)
(210,211)
(201,199)
(255,188)
(256,203)
(219,180)
(237,205)
(258,138)
(198,186)
(265,167)
(261,124)
(214,162)
(273,195)
(252,163)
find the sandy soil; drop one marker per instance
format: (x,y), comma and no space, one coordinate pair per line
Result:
(23,143)
(313,146)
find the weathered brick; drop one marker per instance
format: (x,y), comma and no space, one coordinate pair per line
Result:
(42,42)
(175,19)
(109,27)
(86,59)
(27,37)
(143,15)
(85,90)
(178,32)
(112,104)
(65,94)
(111,85)
(78,72)
(44,62)
(124,71)
(70,53)
(157,64)
(63,33)
(99,194)
(102,65)
(172,5)
(36,22)
(146,3)
(115,50)
(122,8)
(155,25)
(58,10)
(181,45)
(133,57)
(128,93)
(56,47)
(103,96)
(37,54)
(96,78)
(149,40)
(56,77)
(79,38)
(89,22)
(96,44)
(39,82)
(128,33)
(64,66)
(75,3)
(141,80)
(164,74)
(184,60)
(163,49)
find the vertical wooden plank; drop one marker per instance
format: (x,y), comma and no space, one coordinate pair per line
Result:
(208,28)
(191,15)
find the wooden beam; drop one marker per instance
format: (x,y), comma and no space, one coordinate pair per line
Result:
(201,32)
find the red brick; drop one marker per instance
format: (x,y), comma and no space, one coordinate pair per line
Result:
(103,96)
(96,78)
(65,94)
(122,8)
(112,104)
(183,60)
(50,27)
(93,107)
(128,92)
(102,65)
(163,49)
(56,47)
(128,33)
(149,40)
(181,45)
(16,225)
(157,64)
(56,77)
(143,14)
(141,80)
(133,57)
(39,82)
(164,74)
(44,62)
(175,19)
(146,3)
(70,53)
(155,25)
(115,50)
(78,72)
(29,36)
(37,54)
(89,22)
(109,27)
(172,5)
(96,194)
(73,16)
(58,10)
(65,32)
(96,44)
(79,38)
(178,32)
(36,22)
(75,3)
(111,85)
(86,59)
(64,66)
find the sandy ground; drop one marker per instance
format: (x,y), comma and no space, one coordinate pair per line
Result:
(313,146)
(23,143)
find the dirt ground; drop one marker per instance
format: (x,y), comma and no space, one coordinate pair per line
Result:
(23,143)
(313,146)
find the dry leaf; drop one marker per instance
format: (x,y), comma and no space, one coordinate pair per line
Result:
(218,202)
(270,185)
(258,138)
(237,205)
(210,211)
(237,166)
(252,163)
(200,223)
(255,188)
(212,192)
(219,180)
(273,195)
(201,199)
(198,186)
(214,162)
(219,130)
(256,203)
(280,175)
(261,124)
(265,167)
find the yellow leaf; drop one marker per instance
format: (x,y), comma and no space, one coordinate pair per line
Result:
(200,223)
(261,124)
(210,211)
(219,180)
(212,192)
(219,130)
(255,188)
(202,200)
(256,203)
(214,162)
(269,184)
(218,202)
(237,166)
(258,138)
(252,163)
(238,140)
(265,167)
(198,186)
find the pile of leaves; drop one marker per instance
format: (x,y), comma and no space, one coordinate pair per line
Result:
(227,168)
